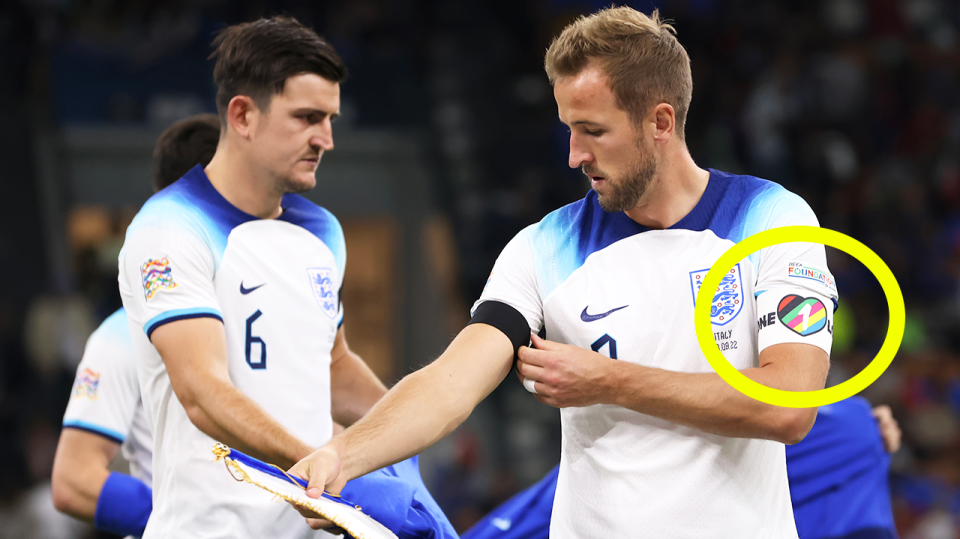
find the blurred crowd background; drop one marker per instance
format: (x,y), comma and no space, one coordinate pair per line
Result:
(449,144)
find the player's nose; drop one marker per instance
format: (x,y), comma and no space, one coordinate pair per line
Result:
(578,154)
(323,138)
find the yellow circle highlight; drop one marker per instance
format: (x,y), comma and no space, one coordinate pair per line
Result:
(799,399)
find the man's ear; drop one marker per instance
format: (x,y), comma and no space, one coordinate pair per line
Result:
(665,121)
(242,115)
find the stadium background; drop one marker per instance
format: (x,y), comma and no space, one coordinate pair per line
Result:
(448,145)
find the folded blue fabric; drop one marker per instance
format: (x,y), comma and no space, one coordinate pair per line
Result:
(397,498)
(383,497)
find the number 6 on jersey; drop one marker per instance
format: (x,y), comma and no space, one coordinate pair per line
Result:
(253,339)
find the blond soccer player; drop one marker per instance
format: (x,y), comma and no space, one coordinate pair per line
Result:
(655,444)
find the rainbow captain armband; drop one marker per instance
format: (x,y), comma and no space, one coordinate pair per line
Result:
(124,505)
(274,480)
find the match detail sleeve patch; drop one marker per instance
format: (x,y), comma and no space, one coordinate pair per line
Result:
(157,275)
(86,385)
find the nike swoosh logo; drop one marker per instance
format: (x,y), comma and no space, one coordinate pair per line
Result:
(246,291)
(594,317)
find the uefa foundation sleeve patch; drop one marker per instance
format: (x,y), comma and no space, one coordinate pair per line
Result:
(86,385)
(157,276)
(799,270)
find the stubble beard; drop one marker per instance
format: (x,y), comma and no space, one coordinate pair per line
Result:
(626,191)
(293,185)
(288,183)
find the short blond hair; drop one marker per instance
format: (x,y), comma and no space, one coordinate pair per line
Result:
(640,54)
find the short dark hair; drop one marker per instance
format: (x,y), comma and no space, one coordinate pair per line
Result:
(256,59)
(184,145)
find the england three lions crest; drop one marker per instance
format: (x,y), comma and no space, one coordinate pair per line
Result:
(727,300)
(321,281)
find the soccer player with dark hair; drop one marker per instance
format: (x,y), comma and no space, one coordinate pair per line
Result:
(184,145)
(105,414)
(231,283)
(655,443)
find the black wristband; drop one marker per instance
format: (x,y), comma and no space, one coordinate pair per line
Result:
(505,318)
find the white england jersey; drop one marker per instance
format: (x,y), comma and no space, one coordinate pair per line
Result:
(601,281)
(275,285)
(105,399)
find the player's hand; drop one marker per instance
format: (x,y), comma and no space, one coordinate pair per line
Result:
(322,470)
(889,428)
(566,375)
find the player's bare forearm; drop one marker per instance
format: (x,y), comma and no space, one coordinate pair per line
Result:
(80,468)
(426,405)
(194,352)
(354,388)
(566,375)
(706,402)
(412,416)
(229,416)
